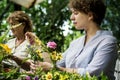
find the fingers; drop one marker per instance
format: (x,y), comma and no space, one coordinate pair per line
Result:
(30,37)
(61,68)
(34,67)
(70,70)
(44,65)
(29,72)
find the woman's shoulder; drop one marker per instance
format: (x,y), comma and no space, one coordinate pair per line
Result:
(108,36)
(78,39)
(11,40)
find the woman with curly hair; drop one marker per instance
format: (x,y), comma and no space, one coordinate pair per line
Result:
(96,51)
(20,23)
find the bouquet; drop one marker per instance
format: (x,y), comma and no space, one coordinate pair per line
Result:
(54,55)
(4,49)
(6,73)
(37,48)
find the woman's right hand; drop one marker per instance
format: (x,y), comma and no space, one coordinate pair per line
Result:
(30,37)
(44,65)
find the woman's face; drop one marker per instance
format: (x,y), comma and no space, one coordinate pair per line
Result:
(17,29)
(80,20)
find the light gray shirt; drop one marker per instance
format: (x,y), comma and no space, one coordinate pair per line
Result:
(98,55)
(20,51)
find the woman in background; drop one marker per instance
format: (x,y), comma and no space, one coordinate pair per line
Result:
(20,23)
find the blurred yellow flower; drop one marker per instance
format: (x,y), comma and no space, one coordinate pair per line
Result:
(6,48)
(64,77)
(49,76)
(54,57)
(87,73)
(39,53)
(61,77)
(54,52)
(37,41)
(59,56)
(56,74)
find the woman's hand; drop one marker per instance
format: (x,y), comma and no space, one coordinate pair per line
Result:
(23,64)
(30,37)
(44,65)
(69,70)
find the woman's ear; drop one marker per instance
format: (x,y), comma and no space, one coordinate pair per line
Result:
(90,14)
(23,23)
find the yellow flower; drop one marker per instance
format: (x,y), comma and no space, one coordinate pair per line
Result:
(6,48)
(39,53)
(66,77)
(38,42)
(54,52)
(54,57)
(49,76)
(56,74)
(59,56)
(62,77)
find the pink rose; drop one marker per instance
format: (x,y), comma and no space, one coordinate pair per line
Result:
(51,45)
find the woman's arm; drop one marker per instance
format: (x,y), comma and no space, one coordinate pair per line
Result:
(23,64)
(70,70)
(104,60)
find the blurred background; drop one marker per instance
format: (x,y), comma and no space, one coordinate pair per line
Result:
(51,20)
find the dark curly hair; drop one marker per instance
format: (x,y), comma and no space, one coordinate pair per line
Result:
(97,7)
(20,17)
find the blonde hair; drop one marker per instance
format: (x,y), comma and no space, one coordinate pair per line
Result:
(21,17)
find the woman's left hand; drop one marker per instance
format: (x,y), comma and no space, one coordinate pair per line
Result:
(70,70)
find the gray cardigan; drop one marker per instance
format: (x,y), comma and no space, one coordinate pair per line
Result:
(98,55)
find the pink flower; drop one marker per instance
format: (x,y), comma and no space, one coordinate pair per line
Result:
(51,45)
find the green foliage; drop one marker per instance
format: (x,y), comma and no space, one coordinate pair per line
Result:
(112,19)
(51,75)
(49,16)
(10,75)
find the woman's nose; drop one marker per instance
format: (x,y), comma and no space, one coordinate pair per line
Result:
(72,17)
